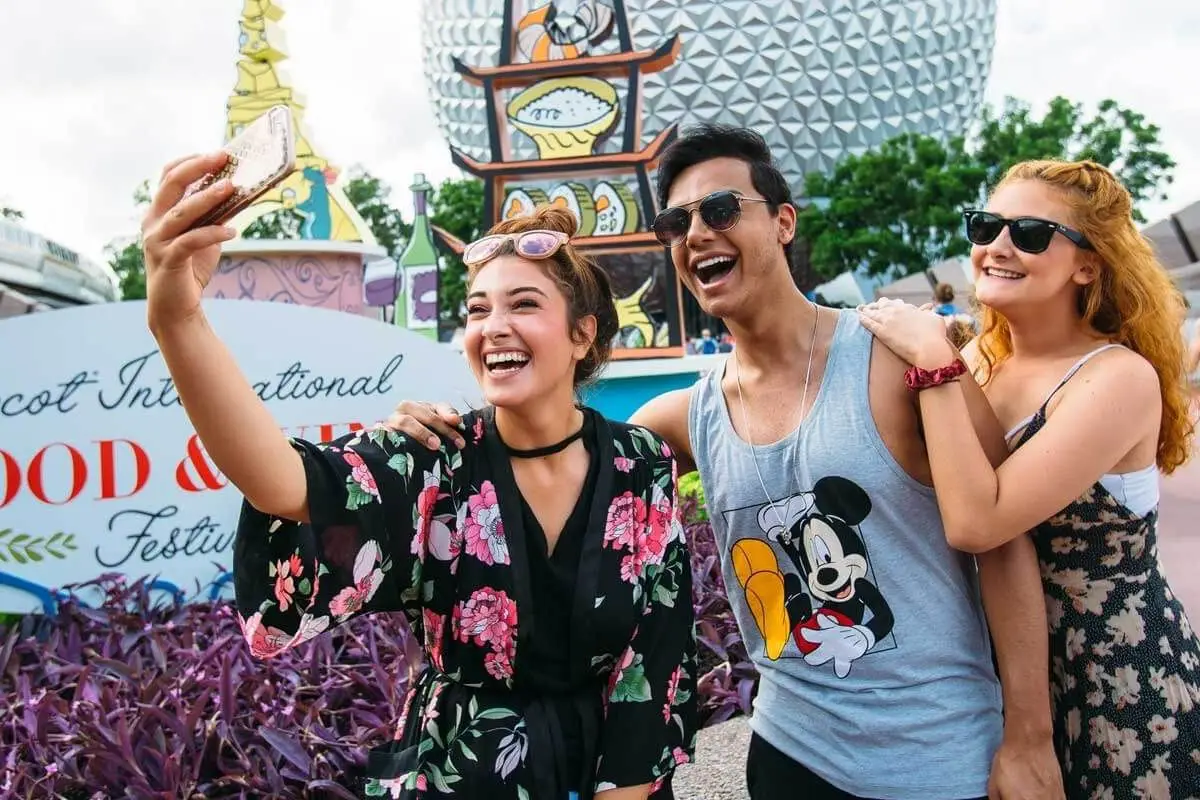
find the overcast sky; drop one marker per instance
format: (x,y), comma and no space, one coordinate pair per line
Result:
(97,94)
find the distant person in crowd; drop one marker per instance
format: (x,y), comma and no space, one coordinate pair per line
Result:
(944,294)
(867,629)
(726,343)
(536,553)
(1080,356)
(707,345)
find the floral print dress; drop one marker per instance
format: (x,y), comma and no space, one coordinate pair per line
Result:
(1125,662)
(441,537)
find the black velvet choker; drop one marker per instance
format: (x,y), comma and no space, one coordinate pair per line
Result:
(548,450)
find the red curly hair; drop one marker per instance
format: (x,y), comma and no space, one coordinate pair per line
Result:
(1133,300)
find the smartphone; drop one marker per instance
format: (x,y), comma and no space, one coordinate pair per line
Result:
(261,156)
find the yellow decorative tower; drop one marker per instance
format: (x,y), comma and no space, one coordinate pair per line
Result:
(314,190)
(325,264)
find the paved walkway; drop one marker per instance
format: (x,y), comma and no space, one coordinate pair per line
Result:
(1179,534)
(720,768)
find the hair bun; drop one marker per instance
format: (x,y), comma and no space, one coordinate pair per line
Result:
(555,218)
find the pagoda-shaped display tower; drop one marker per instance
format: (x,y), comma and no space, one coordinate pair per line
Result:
(324,245)
(565,127)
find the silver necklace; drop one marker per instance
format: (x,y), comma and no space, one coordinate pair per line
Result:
(812,346)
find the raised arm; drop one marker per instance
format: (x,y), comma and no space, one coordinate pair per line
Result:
(233,423)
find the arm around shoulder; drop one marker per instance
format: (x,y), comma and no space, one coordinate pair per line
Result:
(667,417)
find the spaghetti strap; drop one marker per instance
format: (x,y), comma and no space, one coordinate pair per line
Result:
(1008,436)
(1075,368)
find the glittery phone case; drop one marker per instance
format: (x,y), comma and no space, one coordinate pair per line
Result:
(260,157)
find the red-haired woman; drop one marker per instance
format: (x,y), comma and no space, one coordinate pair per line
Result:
(1081,358)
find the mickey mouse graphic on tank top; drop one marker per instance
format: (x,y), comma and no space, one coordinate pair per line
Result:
(810,582)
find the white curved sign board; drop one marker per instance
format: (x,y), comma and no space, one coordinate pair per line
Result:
(100,470)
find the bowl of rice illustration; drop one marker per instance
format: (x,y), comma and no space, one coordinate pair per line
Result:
(565,116)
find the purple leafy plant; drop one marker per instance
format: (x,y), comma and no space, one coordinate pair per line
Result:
(136,697)
(728,679)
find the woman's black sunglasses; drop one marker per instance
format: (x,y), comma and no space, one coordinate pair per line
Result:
(1028,234)
(720,211)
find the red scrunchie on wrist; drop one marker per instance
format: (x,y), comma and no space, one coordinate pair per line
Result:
(917,379)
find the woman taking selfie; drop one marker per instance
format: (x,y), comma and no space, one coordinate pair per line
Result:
(541,563)
(1081,358)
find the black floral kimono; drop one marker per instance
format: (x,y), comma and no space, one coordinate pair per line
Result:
(445,537)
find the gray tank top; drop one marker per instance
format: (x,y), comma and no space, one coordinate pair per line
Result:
(866,627)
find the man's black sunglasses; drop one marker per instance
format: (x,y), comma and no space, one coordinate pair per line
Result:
(1028,234)
(720,211)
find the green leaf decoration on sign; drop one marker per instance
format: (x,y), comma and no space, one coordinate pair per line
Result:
(22,548)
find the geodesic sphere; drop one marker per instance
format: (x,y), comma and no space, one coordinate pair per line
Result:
(820,79)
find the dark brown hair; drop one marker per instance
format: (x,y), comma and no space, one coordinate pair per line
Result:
(944,293)
(584,285)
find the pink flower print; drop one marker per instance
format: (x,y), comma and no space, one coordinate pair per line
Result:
(623,464)
(681,756)
(430,711)
(498,665)
(477,431)
(367,578)
(631,568)
(285,586)
(484,530)
(653,544)
(435,628)
(267,642)
(626,516)
(490,618)
(362,476)
(264,641)
(666,451)
(672,691)
(408,699)
(426,500)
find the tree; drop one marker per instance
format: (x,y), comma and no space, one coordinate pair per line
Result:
(129,263)
(370,196)
(282,224)
(14,214)
(458,210)
(126,257)
(896,210)
(1118,138)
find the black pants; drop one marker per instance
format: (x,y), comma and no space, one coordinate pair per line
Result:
(770,775)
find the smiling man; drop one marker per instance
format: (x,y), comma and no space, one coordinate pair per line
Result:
(868,630)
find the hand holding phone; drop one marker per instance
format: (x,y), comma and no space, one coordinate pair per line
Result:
(260,157)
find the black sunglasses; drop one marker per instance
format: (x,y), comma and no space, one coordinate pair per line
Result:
(1028,234)
(720,211)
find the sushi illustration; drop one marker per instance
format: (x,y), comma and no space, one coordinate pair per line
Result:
(520,202)
(576,198)
(616,209)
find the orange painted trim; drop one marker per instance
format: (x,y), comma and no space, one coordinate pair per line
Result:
(630,353)
(607,163)
(614,65)
(451,241)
